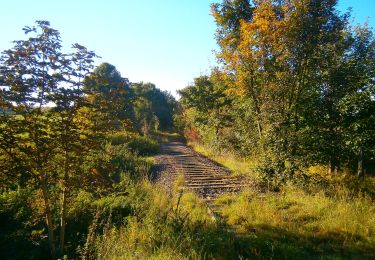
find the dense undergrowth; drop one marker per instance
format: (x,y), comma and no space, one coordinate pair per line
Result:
(113,173)
(127,218)
(121,216)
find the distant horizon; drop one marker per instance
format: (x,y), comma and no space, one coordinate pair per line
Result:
(162,42)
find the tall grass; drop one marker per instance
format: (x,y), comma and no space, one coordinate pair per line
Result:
(293,223)
(311,216)
(162,228)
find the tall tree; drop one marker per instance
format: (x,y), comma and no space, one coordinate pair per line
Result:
(75,137)
(111,97)
(297,62)
(155,107)
(26,136)
(228,16)
(207,106)
(40,96)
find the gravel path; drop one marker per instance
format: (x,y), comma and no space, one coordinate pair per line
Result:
(201,175)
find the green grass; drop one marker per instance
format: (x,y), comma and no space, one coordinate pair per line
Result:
(299,221)
(239,166)
(162,228)
(295,224)
(289,224)
(143,221)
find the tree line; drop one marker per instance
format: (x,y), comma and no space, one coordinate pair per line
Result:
(58,113)
(294,87)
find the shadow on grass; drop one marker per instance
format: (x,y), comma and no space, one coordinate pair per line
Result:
(263,242)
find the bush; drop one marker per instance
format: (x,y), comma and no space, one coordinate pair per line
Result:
(192,135)
(114,162)
(21,227)
(141,145)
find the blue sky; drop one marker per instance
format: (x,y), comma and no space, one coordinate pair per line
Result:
(167,42)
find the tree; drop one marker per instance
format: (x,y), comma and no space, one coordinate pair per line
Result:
(111,97)
(228,16)
(358,106)
(207,107)
(75,137)
(41,94)
(296,64)
(155,107)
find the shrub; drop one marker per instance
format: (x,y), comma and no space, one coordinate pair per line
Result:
(21,227)
(141,145)
(192,135)
(115,162)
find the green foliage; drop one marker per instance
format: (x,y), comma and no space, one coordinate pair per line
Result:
(110,95)
(107,179)
(120,104)
(305,215)
(228,15)
(144,146)
(208,110)
(153,108)
(111,165)
(21,227)
(58,164)
(141,145)
(44,144)
(295,87)
(55,120)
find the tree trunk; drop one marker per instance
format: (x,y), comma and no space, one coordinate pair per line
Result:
(361,164)
(64,196)
(255,100)
(259,129)
(63,221)
(48,213)
(332,167)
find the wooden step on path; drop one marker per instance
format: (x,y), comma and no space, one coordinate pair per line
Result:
(201,175)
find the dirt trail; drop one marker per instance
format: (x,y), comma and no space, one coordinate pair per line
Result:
(201,175)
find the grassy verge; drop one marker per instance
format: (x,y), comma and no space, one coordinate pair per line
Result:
(301,220)
(139,220)
(161,227)
(239,166)
(296,224)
